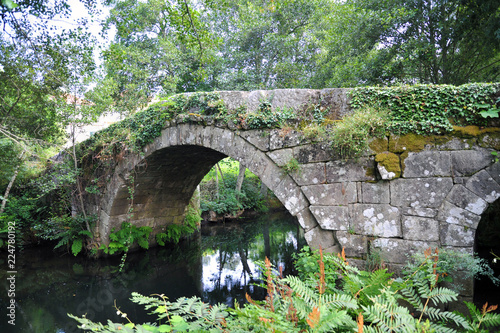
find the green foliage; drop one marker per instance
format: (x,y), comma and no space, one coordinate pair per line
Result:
(329,295)
(122,239)
(428,109)
(183,315)
(227,200)
(175,232)
(292,165)
(350,135)
(67,231)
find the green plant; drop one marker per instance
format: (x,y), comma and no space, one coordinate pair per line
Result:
(68,231)
(123,239)
(292,165)
(329,295)
(174,232)
(430,109)
(350,135)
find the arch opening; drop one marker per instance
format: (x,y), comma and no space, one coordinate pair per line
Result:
(487,247)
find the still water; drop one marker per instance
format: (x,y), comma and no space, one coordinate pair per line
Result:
(219,265)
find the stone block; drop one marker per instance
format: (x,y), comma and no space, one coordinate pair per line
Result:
(234,99)
(296,99)
(318,237)
(468,162)
(255,98)
(419,211)
(354,245)
(337,100)
(484,186)
(351,170)
(281,157)
(452,214)
(310,174)
(331,194)
(306,219)
(279,139)
(420,229)
(331,217)
(420,192)
(377,193)
(316,152)
(399,250)
(427,164)
(376,220)
(222,140)
(456,235)
(291,196)
(258,138)
(455,144)
(494,171)
(464,198)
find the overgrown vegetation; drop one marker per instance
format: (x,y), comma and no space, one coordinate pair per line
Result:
(219,193)
(329,295)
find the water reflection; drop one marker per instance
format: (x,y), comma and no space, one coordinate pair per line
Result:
(219,265)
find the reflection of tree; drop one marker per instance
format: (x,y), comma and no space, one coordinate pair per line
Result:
(246,242)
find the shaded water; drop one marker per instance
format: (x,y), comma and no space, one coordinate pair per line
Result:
(219,265)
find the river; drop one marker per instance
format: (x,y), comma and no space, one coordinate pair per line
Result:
(219,265)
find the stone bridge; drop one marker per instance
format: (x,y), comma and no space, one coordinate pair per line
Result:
(432,196)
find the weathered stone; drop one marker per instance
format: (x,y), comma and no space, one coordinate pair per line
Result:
(427,164)
(377,220)
(350,170)
(462,283)
(331,217)
(234,99)
(281,157)
(296,99)
(291,196)
(420,192)
(331,194)
(337,101)
(258,138)
(420,228)
(455,144)
(354,245)
(468,162)
(419,211)
(375,192)
(456,235)
(316,152)
(255,98)
(484,186)
(494,171)
(306,219)
(452,214)
(318,237)
(310,174)
(490,140)
(463,198)
(280,139)
(399,250)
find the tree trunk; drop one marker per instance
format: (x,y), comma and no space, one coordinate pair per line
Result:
(12,180)
(239,181)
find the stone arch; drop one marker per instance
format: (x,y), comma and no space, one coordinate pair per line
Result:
(170,168)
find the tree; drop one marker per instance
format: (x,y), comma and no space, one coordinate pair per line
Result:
(159,48)
(264,44)
(411,41)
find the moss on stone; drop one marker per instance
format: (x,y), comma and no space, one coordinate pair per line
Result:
(473,131)
(409,142)
(403,157)
(490,140)
(370,173)
(390,162)
(379,145)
